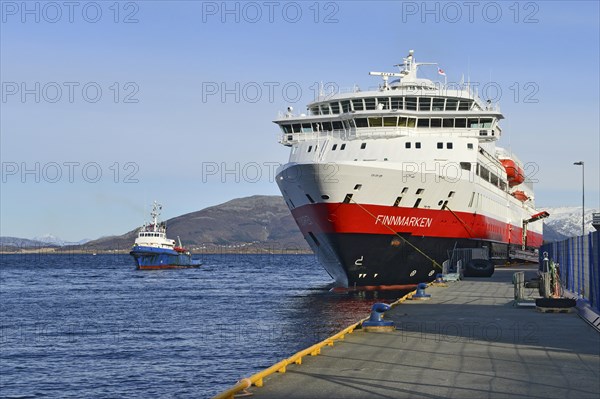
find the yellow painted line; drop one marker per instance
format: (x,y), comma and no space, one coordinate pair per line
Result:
(280,367)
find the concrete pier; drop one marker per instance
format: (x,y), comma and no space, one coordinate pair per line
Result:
(468,341)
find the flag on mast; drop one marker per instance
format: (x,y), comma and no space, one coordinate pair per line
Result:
(441,72)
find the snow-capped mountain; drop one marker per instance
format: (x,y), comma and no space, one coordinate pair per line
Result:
(567,220)
(53,240)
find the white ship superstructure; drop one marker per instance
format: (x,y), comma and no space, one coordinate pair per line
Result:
(382,183)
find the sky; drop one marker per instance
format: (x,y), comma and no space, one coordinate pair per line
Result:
(108,106)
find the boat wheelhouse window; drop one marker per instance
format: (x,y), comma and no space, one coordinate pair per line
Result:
(423,122)
(411,103)
(346,106)
(343,147)
(335,107)
(448,122)
(375,122)
(297,128)
(407,144)
(385,101)
(337,125)
(370,104)
(418,144)
(485,123)
(464,105)
(494,179)
(309,148)
(316,127)
(397,102)
(424,104)
(389,121)
(460,122)
(449,146)
(306,128)
(451,104)
(412,122)
(334,147)
(314,110)
(327,126)
(361,122)
(324,109)
(287,128)
(440,145)
(357,104)
(436,122)
(473,123)
(438,104)
(402,121)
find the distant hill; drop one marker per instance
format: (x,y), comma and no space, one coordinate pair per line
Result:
(252,222)
(15,242)
(565,222)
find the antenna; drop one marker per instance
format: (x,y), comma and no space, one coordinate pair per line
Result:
(385,76)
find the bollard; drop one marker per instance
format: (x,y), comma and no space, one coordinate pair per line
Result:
(439,278)
(420,294)
(376,322)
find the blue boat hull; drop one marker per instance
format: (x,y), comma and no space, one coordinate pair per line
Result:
(151,258)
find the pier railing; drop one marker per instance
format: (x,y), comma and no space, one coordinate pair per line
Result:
(579,260)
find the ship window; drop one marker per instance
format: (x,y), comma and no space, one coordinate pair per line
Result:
(451,194)
(389,121)
(334,147)
(494,179)
(484,173)
(397,103)
(407,144)
(418,144)
(436,122)
(438,104)
(402,121)
(324,109)
(485,123)
(287,128)
(502,184)
(397,202)
(325,197)
(420,190)
(449,146)
(464,105)
(385,101)
(473,123)
(460,122)
(346,106)
(424,104)
(448,122)
(375,122)
(472,198)
(361,122)
(412,122)
(297,127)
(440,145)
(451,104)
(335,108)
(417,202)
(337,125)
(470,146)
(306,128)
(411,103)
(465,165)
(312,201)
(357,103)
(343,147)
(363,146)
(423,122)
(314,110)
(347,198)
(404,190)
(327,126)
(357,187)
(309,148)
(370,104)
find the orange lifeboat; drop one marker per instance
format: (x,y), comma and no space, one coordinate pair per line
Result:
(520,195)
(514,172)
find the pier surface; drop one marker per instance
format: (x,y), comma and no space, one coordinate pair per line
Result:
(468,341)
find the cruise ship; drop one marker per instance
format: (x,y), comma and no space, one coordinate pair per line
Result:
(385,182)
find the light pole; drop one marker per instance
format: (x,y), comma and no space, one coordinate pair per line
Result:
(580,163)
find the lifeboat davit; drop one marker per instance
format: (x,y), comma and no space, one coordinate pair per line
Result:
(520,195)
(514,172)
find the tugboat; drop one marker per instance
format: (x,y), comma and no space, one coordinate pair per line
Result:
(152,249)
